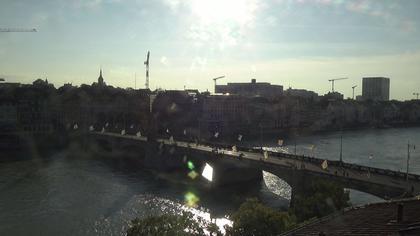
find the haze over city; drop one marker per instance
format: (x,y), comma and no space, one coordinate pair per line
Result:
(300,43)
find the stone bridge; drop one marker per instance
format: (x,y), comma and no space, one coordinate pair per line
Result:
(243,165)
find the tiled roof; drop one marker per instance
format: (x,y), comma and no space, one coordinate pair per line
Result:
(372,219)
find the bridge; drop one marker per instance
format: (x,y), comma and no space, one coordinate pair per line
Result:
(238,164)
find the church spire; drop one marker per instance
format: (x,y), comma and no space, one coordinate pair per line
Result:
(101,79)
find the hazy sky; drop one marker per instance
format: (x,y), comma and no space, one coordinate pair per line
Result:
(297,43)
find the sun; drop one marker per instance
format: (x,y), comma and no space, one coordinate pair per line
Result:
(218,24)
(210,12)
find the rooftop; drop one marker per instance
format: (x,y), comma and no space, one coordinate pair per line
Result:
(371,219)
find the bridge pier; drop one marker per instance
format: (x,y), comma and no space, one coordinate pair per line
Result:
(225,174)
(163,157)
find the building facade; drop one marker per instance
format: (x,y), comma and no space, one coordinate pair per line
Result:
(375,88)
(252,89)
(224,114)
(302,93)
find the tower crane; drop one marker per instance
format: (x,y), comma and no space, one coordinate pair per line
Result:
(147,69)
(353,90)
(332,82)
(14,30)
(215,79)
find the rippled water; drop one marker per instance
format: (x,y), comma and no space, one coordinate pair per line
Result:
(79,195)
(72,194)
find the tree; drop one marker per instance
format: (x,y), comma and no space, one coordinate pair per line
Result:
(253,218)
(320,199)
(172,225)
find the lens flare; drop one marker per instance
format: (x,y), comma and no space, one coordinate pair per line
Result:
(192,174)
(208,172)
(191,199)
(190,165)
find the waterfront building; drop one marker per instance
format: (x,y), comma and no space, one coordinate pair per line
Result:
(223,113)
(176,110)
(333,96)
(301,93)
(375,88)
(253,89)
(235,114)
(8,85)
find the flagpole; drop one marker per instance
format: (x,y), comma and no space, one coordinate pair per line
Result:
(261,136)
(341,149)
(408,158)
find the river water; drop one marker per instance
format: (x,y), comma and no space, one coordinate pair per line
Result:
(71,193)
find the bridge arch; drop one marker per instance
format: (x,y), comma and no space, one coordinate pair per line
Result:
(360,198)
(298,179)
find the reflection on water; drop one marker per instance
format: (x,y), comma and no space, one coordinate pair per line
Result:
(384,148)
(277,185)
(360,198)
(147,205)
(77,195)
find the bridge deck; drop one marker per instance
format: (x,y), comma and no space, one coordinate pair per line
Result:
(342,170)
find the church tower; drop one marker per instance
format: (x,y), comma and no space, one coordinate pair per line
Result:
(101,79)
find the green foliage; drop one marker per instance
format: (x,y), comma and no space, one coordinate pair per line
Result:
(172,225)
(253,218)
(320,199)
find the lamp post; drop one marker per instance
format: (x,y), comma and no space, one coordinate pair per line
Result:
(261,136)
(341,149)
(199,130)
(409,146)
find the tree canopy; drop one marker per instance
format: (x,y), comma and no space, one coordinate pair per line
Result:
(253,218)
(184,224)
(320,199)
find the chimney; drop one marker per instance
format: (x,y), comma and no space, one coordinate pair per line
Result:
(400,212)
(253,81)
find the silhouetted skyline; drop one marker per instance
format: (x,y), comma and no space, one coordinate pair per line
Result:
(300,43)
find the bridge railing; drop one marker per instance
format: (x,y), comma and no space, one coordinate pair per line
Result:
(318,161)
(314,160)
(357,167)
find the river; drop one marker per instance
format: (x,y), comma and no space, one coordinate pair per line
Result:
(71,193)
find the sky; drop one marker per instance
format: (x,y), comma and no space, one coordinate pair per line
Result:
(295,43)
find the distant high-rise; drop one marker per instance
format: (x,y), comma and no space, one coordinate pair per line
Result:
(375,88)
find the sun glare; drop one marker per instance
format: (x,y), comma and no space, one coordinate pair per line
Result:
(221,23)
(222,11)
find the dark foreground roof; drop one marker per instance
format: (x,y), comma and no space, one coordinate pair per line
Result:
(372,219)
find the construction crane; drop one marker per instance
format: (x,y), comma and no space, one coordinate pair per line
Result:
(13,30)
(147,69)
(416,94)
(353,90)
(332,82)
(215,79)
